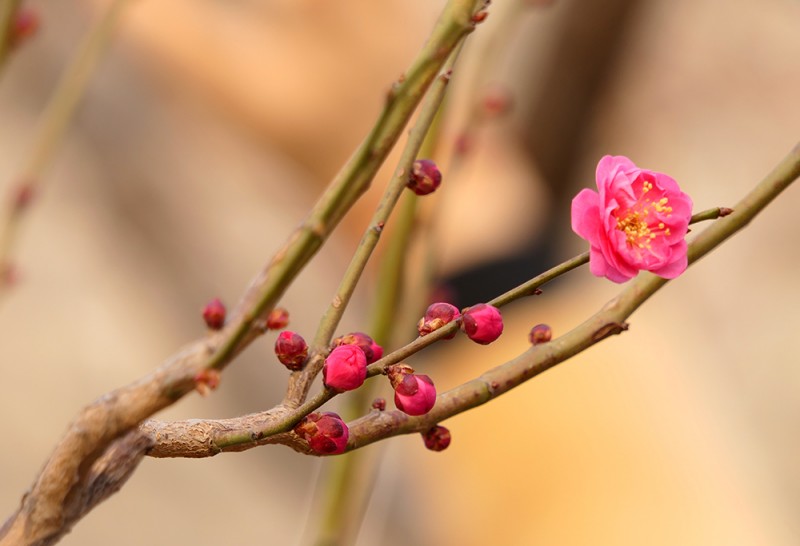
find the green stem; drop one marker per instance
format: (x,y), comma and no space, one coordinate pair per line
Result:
(300,382)
(235,436)
(352,181)
(608,321)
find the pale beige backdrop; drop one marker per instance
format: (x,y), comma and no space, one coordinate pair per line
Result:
(207,132)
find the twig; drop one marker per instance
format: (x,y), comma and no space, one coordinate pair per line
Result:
(41,518)
(206,438)
(300,382)
(53,123)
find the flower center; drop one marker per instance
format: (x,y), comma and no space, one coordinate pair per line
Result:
(636,224)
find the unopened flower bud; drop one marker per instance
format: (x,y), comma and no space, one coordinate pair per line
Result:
(414,394)
(325,432)
(379,404)
(278,319)
(291,350)
(437,438)
(497,101)
(372,350)
(206,381)
(22,196)
(482,323)
(214,314)
(425,177)
(436,316)
(541,333)
(25,26)
(345,368)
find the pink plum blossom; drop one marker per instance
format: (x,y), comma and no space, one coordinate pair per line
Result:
(345,368)
(482,323)
(638,219)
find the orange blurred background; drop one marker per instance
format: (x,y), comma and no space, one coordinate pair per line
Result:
(210,128)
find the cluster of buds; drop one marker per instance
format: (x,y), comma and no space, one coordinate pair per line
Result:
(482,323)
(413,394)
(326,433)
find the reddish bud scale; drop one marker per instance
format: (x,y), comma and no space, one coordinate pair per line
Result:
(415,394)
(425,177)
(541,333)
(379,404)
(206,381)
(437,315)
(345,368)
(437,438)
(325,433)
(214,314)
(278,319)
(291,350)
(372,351)
(482,323)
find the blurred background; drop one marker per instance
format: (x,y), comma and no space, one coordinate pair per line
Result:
(208,130)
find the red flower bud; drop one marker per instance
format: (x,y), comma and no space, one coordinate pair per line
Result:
(345,368)
(214,314)
(291,349)
(206,381)
(25,26)
(541,333)
(413,394)
(437,438)
(379,404)
(425,177)
(372,350)
(497,101)
(436,316)
(482,323)
(325,432)
(278,319)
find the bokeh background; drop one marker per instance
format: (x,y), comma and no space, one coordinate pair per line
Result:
(209,129)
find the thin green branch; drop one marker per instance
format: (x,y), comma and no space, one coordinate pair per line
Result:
(250,431)
(41,516)
(610,320)
(353,180)
(300,382)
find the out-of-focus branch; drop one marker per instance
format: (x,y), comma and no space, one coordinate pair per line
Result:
(42,517)
(8,12)
(53,123)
